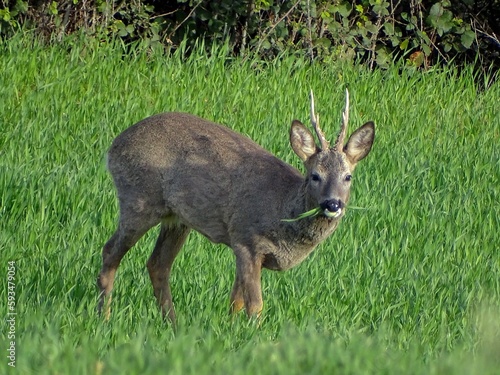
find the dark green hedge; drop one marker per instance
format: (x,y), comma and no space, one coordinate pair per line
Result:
(376,32)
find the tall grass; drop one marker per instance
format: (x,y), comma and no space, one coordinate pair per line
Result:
(410,284)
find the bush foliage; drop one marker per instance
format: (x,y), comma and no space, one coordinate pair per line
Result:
(377,32)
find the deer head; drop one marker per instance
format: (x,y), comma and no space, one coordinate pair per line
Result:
(329,170)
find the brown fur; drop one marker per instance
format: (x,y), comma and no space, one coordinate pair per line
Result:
(185,173)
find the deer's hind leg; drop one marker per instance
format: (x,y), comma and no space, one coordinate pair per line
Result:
(159,265)
(133,224)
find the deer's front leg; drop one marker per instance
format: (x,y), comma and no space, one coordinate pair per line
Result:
(247,286)
(237,302)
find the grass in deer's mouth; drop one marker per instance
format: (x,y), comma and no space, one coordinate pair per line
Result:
(316,211)
(310,213)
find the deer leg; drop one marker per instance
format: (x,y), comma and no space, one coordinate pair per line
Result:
(248,269)
(167,247)
(237,301)
(112,254)
(130,229)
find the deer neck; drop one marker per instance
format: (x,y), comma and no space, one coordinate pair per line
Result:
(309,231)
(294,241)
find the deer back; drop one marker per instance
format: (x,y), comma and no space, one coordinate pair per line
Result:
(214,180)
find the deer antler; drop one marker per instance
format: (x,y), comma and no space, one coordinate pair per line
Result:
(325,145)
(339,143)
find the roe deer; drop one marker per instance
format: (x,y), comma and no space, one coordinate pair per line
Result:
(184,173)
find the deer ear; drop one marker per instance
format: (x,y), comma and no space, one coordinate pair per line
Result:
(302,141)
(360,143)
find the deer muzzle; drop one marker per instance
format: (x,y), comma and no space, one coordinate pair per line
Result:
(332,207)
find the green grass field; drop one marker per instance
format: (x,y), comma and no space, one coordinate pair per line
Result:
(410,284)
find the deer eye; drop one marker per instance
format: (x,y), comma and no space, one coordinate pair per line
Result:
(315,177)
(348,177)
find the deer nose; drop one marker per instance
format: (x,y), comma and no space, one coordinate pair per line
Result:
(332,205)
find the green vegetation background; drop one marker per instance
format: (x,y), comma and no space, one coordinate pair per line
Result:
(421,32)
(409,285)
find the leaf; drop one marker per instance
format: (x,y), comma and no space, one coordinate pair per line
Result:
(395,41)
(53,8)
(122,29)
(426,49)
(383,57)
(445,22)
(326,17)
(404,44)
(5,14)
(423,35)
(21,6)
(381,9)
(371,27)
(266,45)
(344,9)
(389,28)
(440,19)
(417,58)
(323,42)
(467,38)
(335,27)
(436,10)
